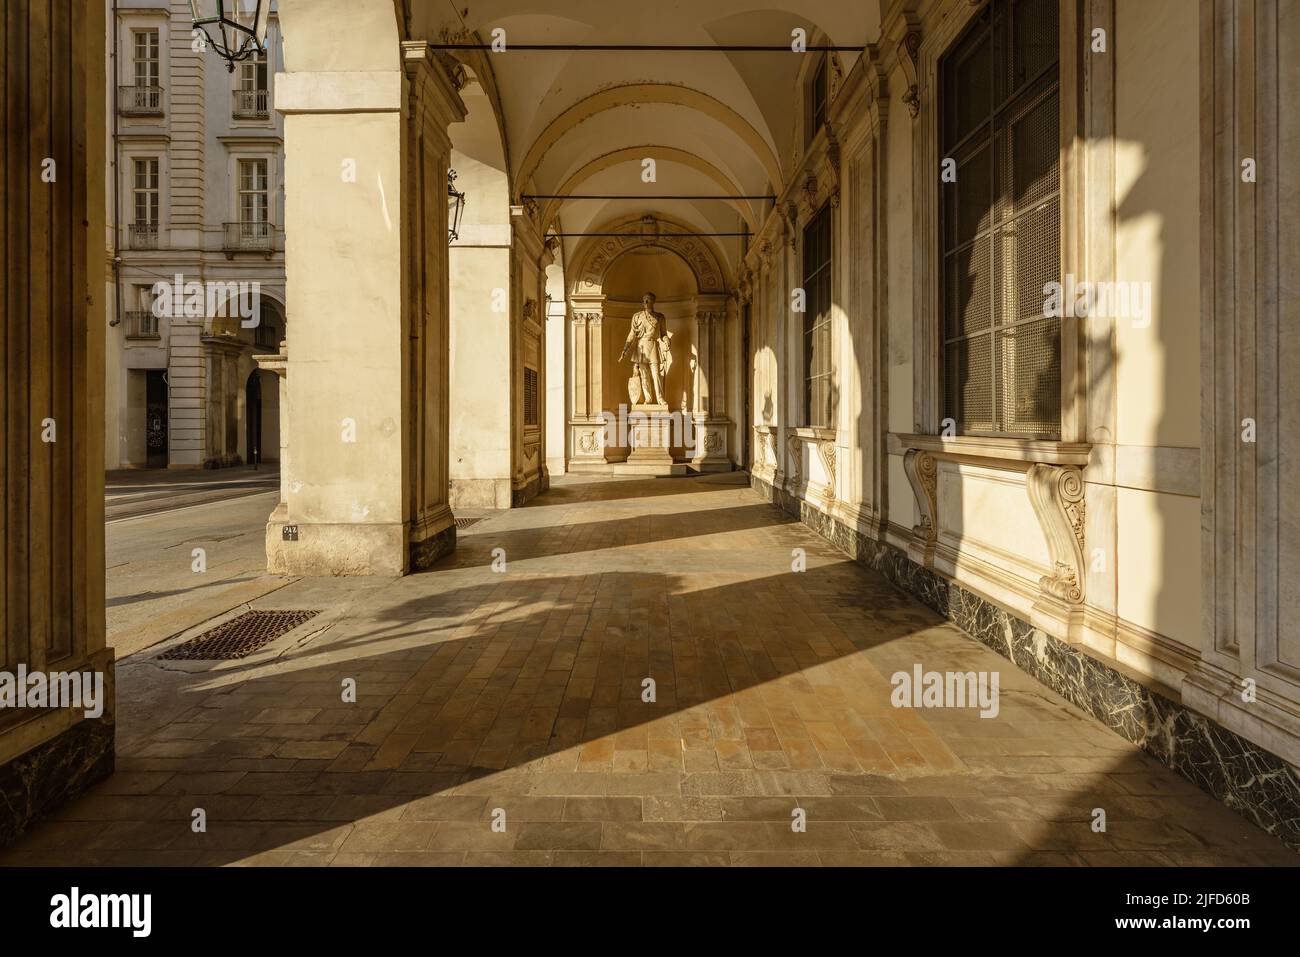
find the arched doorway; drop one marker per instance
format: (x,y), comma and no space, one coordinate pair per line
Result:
(253,417)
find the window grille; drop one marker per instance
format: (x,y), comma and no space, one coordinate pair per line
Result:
(818,392)
(819,94)
(1001,222)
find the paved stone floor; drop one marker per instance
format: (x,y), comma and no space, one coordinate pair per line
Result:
(516,695)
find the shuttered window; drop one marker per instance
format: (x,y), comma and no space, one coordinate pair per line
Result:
(530,396)
(1001,222)
(818,394)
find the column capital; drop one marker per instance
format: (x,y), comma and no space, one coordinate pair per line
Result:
(433,91)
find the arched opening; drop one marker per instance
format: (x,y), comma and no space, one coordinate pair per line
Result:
(253,418)
(657,270)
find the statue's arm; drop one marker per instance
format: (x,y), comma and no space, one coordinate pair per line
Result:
(631,333)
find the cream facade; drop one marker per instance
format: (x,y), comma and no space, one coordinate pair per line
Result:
(195,191)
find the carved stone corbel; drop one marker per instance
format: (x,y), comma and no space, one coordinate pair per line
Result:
(923,474)
(1056,494)
(909,57)
(827,452)
(794,446)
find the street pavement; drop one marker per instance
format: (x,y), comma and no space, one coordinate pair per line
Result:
(182,548)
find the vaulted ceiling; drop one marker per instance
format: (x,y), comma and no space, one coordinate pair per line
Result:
(719,123)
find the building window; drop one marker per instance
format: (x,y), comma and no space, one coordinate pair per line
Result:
(818,395)
(141,323)
(145,57)
(818,95)
(145,202)
(252,98)
(530,396)
(1001,222)
(254,193)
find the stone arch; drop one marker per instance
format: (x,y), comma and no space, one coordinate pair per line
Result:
(598,253)
(630,94)
(664,153)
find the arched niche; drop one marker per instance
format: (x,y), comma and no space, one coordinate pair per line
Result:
(614,268)
(663,271)
(599,252)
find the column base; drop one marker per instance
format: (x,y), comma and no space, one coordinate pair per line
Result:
(337,549)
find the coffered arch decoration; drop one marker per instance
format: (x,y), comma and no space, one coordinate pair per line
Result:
(599,252)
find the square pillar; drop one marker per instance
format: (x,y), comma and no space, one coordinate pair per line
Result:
(711,427)
(586,424)
(366,286)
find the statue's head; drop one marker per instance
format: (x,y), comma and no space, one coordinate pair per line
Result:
(648,300)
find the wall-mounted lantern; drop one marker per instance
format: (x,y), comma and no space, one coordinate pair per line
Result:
(455,207)
(235,28)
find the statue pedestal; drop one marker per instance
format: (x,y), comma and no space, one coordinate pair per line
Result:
(650,433)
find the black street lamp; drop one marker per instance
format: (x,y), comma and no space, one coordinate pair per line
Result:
(235,28)
(455,206)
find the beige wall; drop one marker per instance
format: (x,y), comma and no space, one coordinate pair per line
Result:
(480,377)
(1139,530)
(1158,382)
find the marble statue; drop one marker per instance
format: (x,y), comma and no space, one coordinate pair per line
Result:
(649,345)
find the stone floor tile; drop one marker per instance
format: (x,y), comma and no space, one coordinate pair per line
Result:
(522,692)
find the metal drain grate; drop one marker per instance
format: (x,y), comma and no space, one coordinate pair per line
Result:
(240,636)
(467,522)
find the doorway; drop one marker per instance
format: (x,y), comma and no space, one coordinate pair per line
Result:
(253,413)
(155,405)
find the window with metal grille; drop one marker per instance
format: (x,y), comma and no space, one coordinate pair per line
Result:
(818,94)
(530,396)
(1001,222)
(144,48)
(818,394)
(145,192)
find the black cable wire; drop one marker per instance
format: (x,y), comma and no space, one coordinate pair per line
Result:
(647,48)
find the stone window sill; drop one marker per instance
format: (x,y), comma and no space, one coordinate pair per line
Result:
(815,434)
(997,451)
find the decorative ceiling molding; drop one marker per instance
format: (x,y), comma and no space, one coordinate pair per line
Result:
(600,253)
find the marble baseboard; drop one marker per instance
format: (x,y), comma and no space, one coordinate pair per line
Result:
(1256,783)
(42,780)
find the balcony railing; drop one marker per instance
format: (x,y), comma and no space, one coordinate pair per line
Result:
(142,235)
(140,100)
(252,237)
(142,325)
(252,105)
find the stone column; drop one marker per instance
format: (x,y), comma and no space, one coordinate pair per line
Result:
(586,358)
(711,427)
(279,364)
(52,404)
(366,269)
